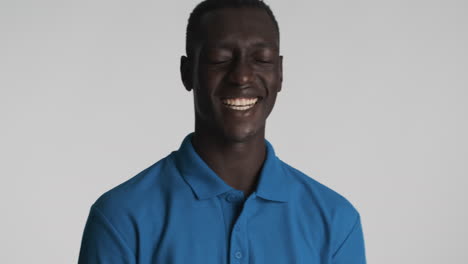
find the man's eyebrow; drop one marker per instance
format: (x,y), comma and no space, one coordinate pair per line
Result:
(227,45)
(266,45)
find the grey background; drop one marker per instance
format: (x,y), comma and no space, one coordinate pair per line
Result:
(90,95)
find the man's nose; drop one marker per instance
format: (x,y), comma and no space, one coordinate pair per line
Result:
(241,73)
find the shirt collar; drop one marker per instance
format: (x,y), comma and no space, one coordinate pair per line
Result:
(274,183)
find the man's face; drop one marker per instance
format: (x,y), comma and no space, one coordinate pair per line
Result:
(236,72)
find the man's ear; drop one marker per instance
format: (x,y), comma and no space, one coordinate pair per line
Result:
(186,72)
(280,69)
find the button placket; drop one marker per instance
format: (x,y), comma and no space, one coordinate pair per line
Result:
(239,245)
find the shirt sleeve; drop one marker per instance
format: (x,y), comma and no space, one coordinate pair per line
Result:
(101,242)
(352,249)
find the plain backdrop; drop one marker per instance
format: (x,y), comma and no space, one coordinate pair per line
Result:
(374,105)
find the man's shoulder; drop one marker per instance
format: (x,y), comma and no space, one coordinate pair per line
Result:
(317,194)
(324,208)
(132,194)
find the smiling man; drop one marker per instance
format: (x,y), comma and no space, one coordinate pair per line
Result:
(224,196)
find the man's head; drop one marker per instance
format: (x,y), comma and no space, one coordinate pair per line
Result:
(232,63)
(207,6)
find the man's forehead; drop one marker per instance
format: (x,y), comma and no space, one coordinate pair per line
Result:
(226,22)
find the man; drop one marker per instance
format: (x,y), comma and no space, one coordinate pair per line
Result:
(224,196)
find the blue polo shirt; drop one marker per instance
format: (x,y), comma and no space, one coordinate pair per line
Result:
(179,211)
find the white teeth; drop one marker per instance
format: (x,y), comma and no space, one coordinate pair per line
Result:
(240,107)
(240,102)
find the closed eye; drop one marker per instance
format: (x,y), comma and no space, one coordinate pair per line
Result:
(264,61)
(215,62)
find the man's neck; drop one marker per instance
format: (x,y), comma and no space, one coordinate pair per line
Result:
(238,163)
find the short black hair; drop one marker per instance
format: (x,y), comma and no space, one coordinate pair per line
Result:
(193,26)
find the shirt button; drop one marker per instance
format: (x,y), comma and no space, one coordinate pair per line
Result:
(231,198)
(238,255)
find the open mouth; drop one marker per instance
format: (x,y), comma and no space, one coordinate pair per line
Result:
(240,103)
